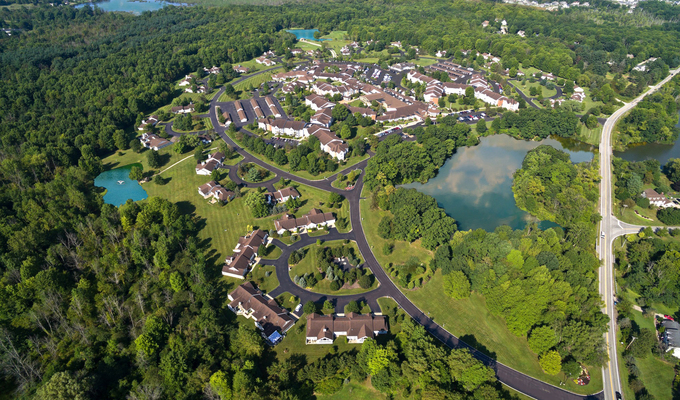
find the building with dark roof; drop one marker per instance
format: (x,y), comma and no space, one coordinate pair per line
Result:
(272,320)
(245,254)
(313,220)
(671,337)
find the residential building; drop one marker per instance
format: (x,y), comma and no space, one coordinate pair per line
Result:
(183,109)
(417,77)
(272,320)
(215,190)
(329,143)
(152,120)
(401,67)
(323,117)
(265,61)
(441,53)
(213,162)
(245,254)
(318,102)
(313,220)
(153,141)
(659,200)
(433,93)
(282,196)
(213,70)
(323,329)
(186,81)
(241,70)
(365,112)
(284,127)
(396,44)
(417,111)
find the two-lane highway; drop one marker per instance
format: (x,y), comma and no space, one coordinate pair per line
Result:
(612,228)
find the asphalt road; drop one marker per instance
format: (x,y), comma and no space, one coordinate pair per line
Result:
(612,228)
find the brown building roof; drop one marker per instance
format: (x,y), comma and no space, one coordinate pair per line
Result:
(360,325)
(265,312)
(323,116)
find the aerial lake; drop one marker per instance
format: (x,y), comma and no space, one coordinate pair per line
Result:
(475,185)
(305,34)
(648,151)
(119,186)
(134,7)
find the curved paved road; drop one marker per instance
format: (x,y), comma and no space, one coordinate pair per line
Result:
(525,384)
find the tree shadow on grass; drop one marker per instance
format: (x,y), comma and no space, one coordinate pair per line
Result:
(185,207)
(473,342)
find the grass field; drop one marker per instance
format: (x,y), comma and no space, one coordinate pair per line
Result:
(355,391)
(470,320)
(311,261)
(259,276)
(220,225)
(526,86)
(127,157)
(590,136)
(294,343)
(402,250)
(426,61)
(257,80)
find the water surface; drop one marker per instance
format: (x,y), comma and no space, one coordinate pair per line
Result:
(305,34)
(648,151)
(475,185)
(134,7)
(119,186)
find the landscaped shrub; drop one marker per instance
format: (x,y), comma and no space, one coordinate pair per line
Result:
(669,216)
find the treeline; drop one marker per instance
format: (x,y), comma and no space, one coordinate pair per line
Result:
(410,366)
(414,216)
(551,188)
(306,156)
(397,162)
(649,266)
(533,123)
(653,119)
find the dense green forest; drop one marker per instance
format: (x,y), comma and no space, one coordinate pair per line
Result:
(551,188)
(652,120)
(107,303)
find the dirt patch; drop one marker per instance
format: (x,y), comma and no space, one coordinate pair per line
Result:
(355,285)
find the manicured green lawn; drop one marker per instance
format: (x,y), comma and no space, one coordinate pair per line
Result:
(425,61)
(221,226)
(355,391)
(657,376)
(274,252)
(257,80)
(528,85)
(126,157)
(294,343)
(310,263)
(259,276)
(284,300)
(470,320)
(590,136)
(402,250)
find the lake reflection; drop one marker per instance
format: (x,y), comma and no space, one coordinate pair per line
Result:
(475,185)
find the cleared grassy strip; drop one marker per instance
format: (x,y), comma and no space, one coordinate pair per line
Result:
(257,80)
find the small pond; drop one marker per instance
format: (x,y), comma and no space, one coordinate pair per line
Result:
(475,185)
(305,34)
(119,186)
(134,7)
(648,151)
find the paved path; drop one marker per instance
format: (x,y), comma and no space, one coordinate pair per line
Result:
(612,228)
